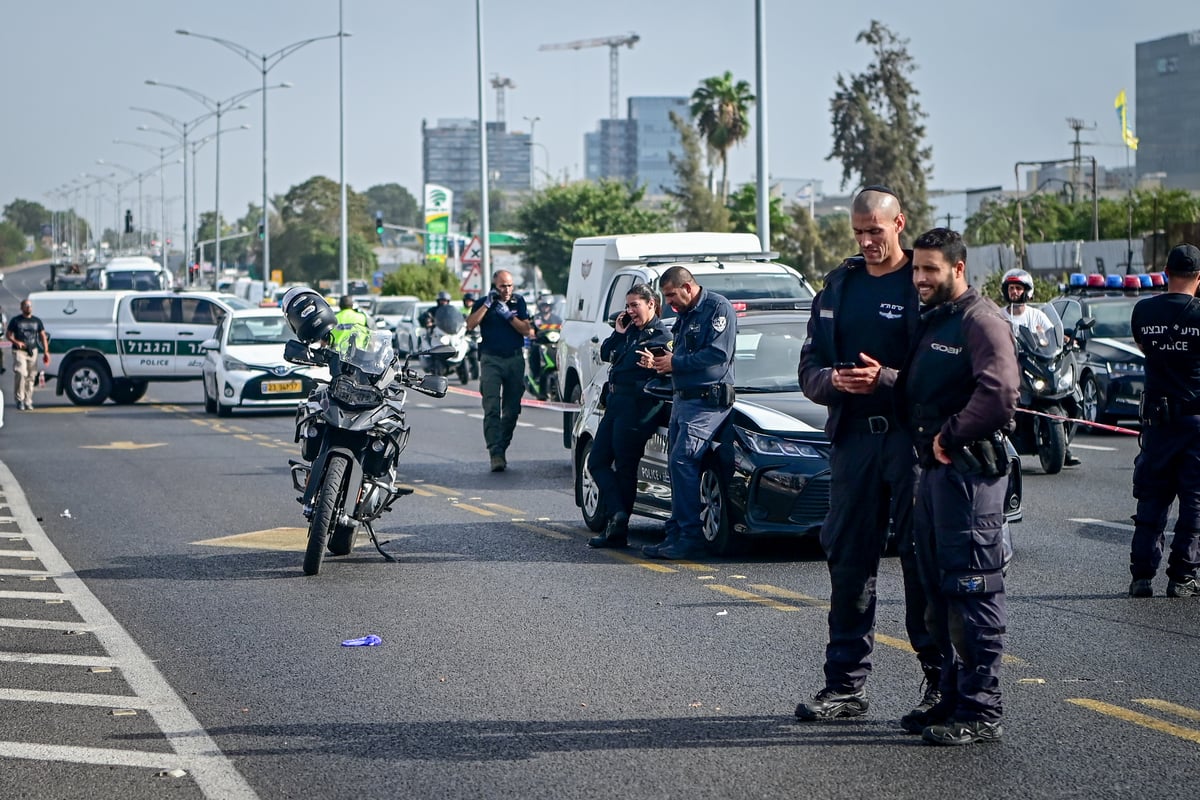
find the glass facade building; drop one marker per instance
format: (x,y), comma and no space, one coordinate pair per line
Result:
(450,157)
(1167,100)
(637,149)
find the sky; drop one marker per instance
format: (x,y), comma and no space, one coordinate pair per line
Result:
(998,81)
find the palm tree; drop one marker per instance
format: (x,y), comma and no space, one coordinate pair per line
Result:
(721,109)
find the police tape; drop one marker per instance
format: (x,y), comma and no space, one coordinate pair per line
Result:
(1100,425)
(525,401)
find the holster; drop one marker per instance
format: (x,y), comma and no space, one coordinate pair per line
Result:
(1154,411)
(987,457)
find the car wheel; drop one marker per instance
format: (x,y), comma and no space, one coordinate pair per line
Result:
(210,403)
(87,382)
(714,514)
(223,410)
(587,493)
(569,416)
(1093,399)
(126,391)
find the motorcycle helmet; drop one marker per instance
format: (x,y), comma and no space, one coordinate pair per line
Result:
(443,297)
(1018,277)
(469,297)
(309,316)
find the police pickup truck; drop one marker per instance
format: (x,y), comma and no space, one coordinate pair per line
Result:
(112,344)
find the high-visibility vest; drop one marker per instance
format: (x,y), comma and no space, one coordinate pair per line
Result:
(350,322)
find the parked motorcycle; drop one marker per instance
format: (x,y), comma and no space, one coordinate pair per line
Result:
(543,351)
(449,329)
(351,433)
(1050,385)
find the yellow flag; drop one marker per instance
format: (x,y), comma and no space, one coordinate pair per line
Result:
(1127,136)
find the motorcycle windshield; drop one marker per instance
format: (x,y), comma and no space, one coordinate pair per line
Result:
(1038,330)
(449,320)
(370,352)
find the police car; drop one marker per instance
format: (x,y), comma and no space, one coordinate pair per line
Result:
(774,477)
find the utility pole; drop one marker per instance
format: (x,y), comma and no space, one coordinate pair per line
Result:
(500,84)
(1077,125)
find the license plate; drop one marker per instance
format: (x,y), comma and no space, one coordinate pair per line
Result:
(281,387)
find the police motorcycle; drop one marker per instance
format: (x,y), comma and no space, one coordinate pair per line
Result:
(1050,385)
(352,430)
(449,329)
(545,342)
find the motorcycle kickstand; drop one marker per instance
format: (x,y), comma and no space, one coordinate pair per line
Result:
(378,544)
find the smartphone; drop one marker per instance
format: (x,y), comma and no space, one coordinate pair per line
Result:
(845,365)
(624,318)
(658,351)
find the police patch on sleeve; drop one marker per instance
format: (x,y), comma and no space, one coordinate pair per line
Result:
(719,324)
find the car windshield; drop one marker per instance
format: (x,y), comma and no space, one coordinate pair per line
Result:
(739,286)
(371,352)
(141,280)
(391,306)
(1112,319)
(234,302)
(259,330)
(767,355)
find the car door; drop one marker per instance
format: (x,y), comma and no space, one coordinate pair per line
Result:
(147,337)
(196,321)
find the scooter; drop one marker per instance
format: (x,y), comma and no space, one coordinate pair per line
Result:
(543,350)
(1050,385)
(449,330)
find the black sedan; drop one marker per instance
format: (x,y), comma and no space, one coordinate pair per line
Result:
(773,479)
(1112,370)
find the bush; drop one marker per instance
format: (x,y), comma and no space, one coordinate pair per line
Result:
(422,280)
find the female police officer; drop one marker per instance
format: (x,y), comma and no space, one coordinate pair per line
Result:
(630,415)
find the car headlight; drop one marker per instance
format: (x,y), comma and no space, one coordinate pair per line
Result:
(231,364)
(1118,369)
(768,445)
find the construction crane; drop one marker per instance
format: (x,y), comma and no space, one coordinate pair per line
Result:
(500,84)
(612,43)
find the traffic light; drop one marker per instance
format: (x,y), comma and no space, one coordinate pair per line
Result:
(128,220)
(379,223)
(261,232)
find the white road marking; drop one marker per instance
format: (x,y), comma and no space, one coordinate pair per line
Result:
(25,573)
(61,659)
(550,430)
(75,698)
(46,625)
(195,751)
(95,755)
(15,553)
(1102,523)
(454,411)
(10,595)
(1077,446)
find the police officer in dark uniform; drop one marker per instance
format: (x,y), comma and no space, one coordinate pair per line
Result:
(957,393)
(503,321)
(700,362)
(1167,328)
(630,415)
(861,325)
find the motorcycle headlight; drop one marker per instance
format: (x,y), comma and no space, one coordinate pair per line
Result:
(443,339)
(777,445)
(1066,379)
(231,364)
(553,336)
(353,395)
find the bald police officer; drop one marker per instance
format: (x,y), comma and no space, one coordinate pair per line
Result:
(1167,328)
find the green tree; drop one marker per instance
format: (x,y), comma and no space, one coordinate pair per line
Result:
(743,215)
(422,280)
(721,110)
(558,215)
(28,216)
(12,244)
(399,207)
(878,133)
(307,243)
(816,246)
(695,208)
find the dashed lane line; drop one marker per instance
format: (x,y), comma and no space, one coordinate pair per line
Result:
(505,509)
(195,751)
(1137,718)
(58,659)
(47,625)
(1170,708)
(541,531)
(1101,523)
(76,698)
(742,594)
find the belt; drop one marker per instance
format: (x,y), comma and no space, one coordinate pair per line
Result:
(503,354)
(626,388)
(694,392)
(876,424)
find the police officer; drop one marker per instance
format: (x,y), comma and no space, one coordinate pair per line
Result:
(349,320)
(861,325)
(957,393)
(544,319)
(468,304)
(630,415)
(700,362)
(503,321)
(1167,328)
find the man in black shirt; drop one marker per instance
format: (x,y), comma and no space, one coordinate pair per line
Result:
(1167,328)
(28,337)
(503,322)
(858,334)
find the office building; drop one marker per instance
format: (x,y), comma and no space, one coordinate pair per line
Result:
(639,148)
(450,157)
(1167,99)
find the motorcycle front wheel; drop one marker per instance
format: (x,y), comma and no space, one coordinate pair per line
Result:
(329,507)
(1052,444)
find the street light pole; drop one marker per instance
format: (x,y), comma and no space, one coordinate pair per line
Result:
(162,153)
(533,121)
(484,200)
(760,64)
(264,63)
(343,249)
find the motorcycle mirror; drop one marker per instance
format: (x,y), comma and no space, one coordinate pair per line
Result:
(297,352)
(1086,324)
(435,385)
(439,350)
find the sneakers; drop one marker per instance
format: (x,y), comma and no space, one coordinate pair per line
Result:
(833,704)
(957,732)
(1188,588)
(498,462)
(1141,587)
(616,533)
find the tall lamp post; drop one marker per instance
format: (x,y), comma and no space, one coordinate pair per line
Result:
(264,63)
(196,146)
(533,121)
(162,152)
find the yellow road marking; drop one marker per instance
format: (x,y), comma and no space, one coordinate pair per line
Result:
(542,531)
(122,446)
(443,490)
(63,409)
(243,437)
(1144,720)
(289,539)
(692,565)
(637,562)
(483,512)
(1171,708)
(741,594)
(788,594)
(505,509)
(418,491)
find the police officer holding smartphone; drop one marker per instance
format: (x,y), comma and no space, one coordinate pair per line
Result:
(957,393)
(1167,328)
(700,363)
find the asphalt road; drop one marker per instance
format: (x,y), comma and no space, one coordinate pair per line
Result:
(515,661)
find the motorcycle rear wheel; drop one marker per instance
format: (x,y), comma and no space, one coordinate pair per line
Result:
(330,504)
(1052,444)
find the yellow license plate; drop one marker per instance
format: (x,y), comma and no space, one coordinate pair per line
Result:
(281,387)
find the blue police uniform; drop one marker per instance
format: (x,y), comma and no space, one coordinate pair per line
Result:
(704,338)
(1167,328)
(630,419)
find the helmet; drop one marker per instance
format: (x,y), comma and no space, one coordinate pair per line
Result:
(345,301)
(469,297)
(1018,277)
(544,302)
(308,314)
(443,296)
